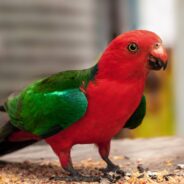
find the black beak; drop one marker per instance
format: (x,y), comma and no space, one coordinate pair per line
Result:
(156,63)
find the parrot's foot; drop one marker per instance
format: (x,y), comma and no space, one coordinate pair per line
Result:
(112,177)
(113,173)
(110,168)
(74,176)
(113,168)
(77,178)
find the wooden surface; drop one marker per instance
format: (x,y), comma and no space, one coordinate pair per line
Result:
(155,153)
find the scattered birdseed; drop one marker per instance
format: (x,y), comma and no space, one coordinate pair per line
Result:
(141,168)
(127,158)
(40,173)
(118,158)
(140,176)
(152,175)
(128,174)
(180,166)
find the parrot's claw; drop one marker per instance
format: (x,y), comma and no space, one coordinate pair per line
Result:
(113,173)
(114,169)
(112,177)
(77,178)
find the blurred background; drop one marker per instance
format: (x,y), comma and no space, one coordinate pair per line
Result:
(39,38)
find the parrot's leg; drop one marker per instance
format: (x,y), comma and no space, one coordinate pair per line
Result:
(104,149)
(67,165)
(65,160)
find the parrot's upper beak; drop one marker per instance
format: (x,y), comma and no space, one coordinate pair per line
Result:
(157,58)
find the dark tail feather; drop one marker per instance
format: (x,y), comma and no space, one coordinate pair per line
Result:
(7,146)
(2,109)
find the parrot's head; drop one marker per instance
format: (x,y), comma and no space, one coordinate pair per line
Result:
(134,53)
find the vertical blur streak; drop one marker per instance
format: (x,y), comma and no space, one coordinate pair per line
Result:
(179,68)
(134,14)
(113,18)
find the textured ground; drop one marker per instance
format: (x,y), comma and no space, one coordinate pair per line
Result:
(158,160)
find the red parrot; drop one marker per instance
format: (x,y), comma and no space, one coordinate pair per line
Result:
(88,106)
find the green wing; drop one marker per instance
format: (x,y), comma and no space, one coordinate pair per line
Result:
(136,119)
(50,105)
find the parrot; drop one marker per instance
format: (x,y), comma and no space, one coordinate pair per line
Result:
(88,106)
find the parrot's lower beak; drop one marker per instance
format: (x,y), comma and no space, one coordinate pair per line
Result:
(157,58)
(156,63)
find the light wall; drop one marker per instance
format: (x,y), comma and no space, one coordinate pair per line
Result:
(179,67)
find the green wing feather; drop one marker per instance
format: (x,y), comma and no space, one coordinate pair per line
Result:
(52,104)
(136,119)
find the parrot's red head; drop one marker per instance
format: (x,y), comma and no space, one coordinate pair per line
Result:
(133,54)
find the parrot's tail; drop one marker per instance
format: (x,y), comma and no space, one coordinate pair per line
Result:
(8,142)
(2,109)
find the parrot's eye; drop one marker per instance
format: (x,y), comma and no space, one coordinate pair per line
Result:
(132,47)
(157,45)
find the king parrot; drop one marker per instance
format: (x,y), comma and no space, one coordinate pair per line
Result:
(87,106)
